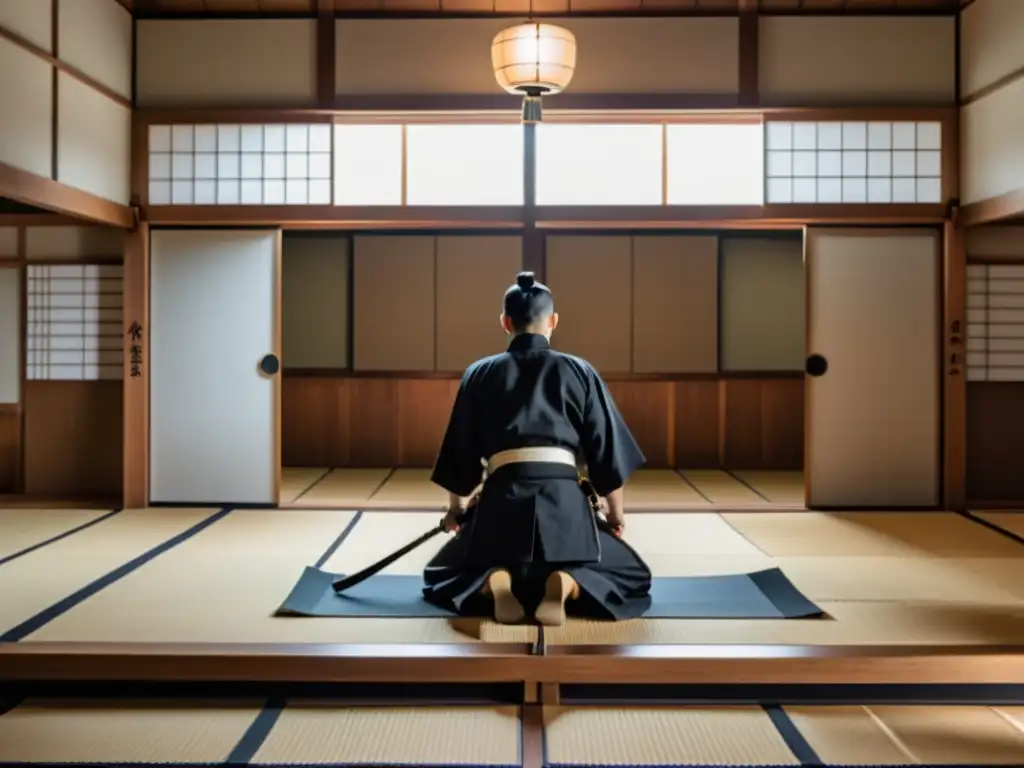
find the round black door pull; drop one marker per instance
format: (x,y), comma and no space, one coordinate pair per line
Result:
(270,365)
(816,365)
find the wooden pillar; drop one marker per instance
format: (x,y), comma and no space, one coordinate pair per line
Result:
(954,391)
(325,54)
(136,368)
(534,254)
(749,50)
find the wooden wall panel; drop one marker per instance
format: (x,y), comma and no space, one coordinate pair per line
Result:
(8,242)
(10,449)
(228,62)
(579,271)
(995,452)
(991,46)
(10,335)
(621,55)
(73,438)
(31,19)
(96,38)
(763,297)
(315,301)
(991,144)
(834,60)
(93,142)
(675,304)
(394,314)
(378,422)
(473,272)
(995,244)
(73,243)
(26,93)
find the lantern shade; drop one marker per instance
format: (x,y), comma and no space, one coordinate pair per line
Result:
(534,59)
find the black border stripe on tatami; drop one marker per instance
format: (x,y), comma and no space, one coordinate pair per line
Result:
(63,535)
(798,745)
(329,552)
(256,734)
(992,526)
(61,607)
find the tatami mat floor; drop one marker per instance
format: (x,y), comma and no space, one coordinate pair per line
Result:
(647,489)
(130,732)
(199,575)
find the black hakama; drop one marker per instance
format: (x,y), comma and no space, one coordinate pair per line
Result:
(533,519)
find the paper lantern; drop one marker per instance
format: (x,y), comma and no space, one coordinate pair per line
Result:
(534,59)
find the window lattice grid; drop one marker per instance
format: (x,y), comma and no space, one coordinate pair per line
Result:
(853,162)
(240,164)
(74,322)
(995,322)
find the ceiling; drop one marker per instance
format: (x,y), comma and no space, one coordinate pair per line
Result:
(165,8)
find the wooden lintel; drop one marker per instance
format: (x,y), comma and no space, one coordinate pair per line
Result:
(38,220)
(338,216)
(566,106)
(776,216)
(135,471)
(994,209)
(25,187)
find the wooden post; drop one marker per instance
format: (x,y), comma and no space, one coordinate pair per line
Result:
(136,368)
(954,348)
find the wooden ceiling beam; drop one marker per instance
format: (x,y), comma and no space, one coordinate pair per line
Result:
(50,195)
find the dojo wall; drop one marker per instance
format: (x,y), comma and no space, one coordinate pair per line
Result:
(995,409)
(700,338)
(814,60)
(60,427)
(69,121)
(992,97)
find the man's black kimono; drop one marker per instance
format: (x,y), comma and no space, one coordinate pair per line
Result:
(533,518)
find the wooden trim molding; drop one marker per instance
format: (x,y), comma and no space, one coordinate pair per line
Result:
(25,187)
(54,60)
(1006,206)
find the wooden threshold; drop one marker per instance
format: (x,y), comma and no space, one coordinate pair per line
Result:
(500,663)
(25,187)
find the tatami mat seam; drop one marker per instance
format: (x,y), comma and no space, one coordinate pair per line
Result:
(59,536)
(790,733)
(992,527)
(721,513)
(311,486)
(380,486)
(44,617)
(256,734)
(329,552)
(744,483)
(696,490)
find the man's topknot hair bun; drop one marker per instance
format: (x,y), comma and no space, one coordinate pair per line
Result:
(526,280)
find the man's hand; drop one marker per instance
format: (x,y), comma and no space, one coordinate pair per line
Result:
(452,520)
(616,521)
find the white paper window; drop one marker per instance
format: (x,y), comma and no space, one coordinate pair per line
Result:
(240,164)
(591,164)
(718,164)
(995,322)
(464,164)
(853,162)
(74,328)
(368,164)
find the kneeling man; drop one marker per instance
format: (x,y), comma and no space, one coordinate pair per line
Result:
(530,542)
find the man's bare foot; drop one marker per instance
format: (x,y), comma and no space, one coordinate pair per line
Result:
(559,588)
(507,609)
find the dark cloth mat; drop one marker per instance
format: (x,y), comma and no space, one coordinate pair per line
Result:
(763,595)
